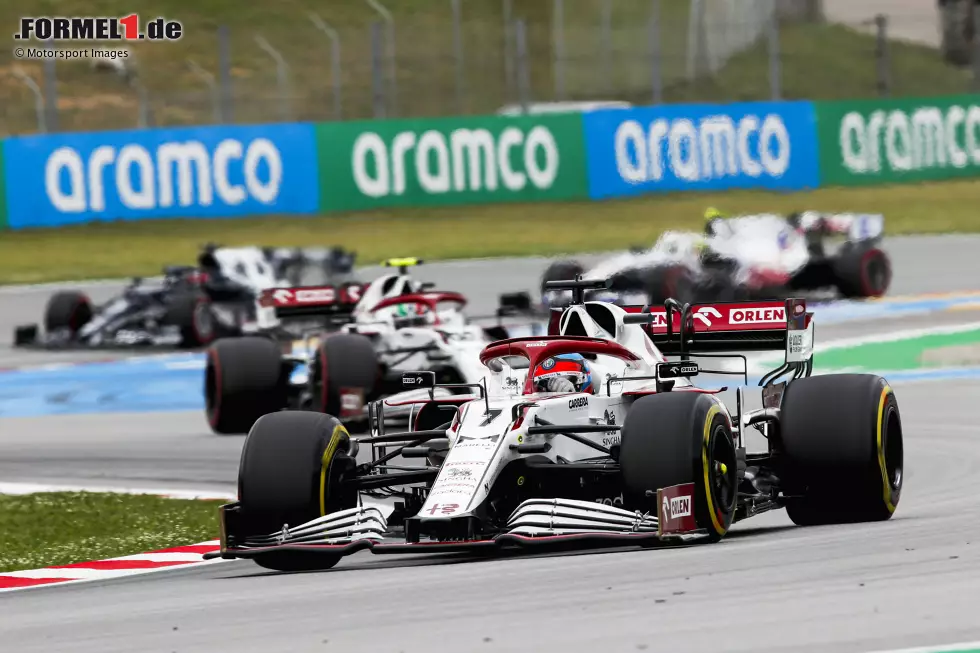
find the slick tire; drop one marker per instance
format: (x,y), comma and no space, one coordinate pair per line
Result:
(842,449)
(670,282)
(244,379)
(290,471)
(862,272)
(560,271)
(345,372)
(681,437)
(191,312)
(67,309)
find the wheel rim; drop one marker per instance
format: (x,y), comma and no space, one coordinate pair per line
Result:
(894,451)
(876,275)
(203,322)
(722,477)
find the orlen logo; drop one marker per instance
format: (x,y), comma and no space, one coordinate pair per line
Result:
(756,315)
(703,314)
(677,507)
(316,296)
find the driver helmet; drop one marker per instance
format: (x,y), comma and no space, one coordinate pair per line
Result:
(564,373)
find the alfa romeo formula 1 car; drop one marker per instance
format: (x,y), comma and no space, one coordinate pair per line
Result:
(587,437)
(751,257)
(191,305)
(394,324)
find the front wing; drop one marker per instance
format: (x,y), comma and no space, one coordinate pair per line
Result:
(536,523)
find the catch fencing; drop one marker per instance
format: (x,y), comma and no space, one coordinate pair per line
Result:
(459,57)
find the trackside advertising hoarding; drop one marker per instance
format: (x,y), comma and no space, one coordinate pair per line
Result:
(205,172)
(701,148)
(899,141)
(464,160)
(3,192)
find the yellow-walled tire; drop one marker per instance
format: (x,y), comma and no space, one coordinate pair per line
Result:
(842,449)
(681,437)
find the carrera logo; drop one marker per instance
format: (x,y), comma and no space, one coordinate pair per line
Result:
(676,507)
(580,402)
(756,315)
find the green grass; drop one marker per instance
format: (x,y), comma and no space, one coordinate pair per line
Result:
(142,248)
(426,70)
(818,61)
(826,62)
(58,528)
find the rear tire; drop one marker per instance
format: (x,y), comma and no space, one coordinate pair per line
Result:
(681,437)
(845,464)
(345,372)
(243,380)
(290,472)
(191,312)
(862,272)
(68,309)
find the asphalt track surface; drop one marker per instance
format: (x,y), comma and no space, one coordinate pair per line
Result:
(912,581)
(920,264)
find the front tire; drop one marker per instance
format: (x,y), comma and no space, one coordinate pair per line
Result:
(676,438)
(559,271)
(243,380)
(290,471)
(68,309)
(843,464)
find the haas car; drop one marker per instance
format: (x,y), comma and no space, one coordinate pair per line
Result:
(594,435)
(337,365)
(750,257)
(191,306)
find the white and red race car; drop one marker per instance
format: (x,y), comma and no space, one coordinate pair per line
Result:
(633,454)
(350,345)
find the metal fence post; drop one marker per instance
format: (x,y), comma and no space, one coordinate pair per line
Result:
(510,82)
(224,74)
(143,118)
(392,57)
(882,57)
(377,71)
(458,54)
(335,67)
(19,73)
(605,44)
(656,69)
(282,78)
(558,47)
(775,63)
(523,74)
(976,47)
(212,85)
(50,90)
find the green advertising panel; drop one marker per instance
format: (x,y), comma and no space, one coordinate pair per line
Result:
(898,141)
(463,160)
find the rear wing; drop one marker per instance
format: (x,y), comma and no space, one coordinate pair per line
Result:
(729,327)
(311,301)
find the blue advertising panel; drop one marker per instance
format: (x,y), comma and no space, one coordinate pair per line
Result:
(701,147)
(208,171)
